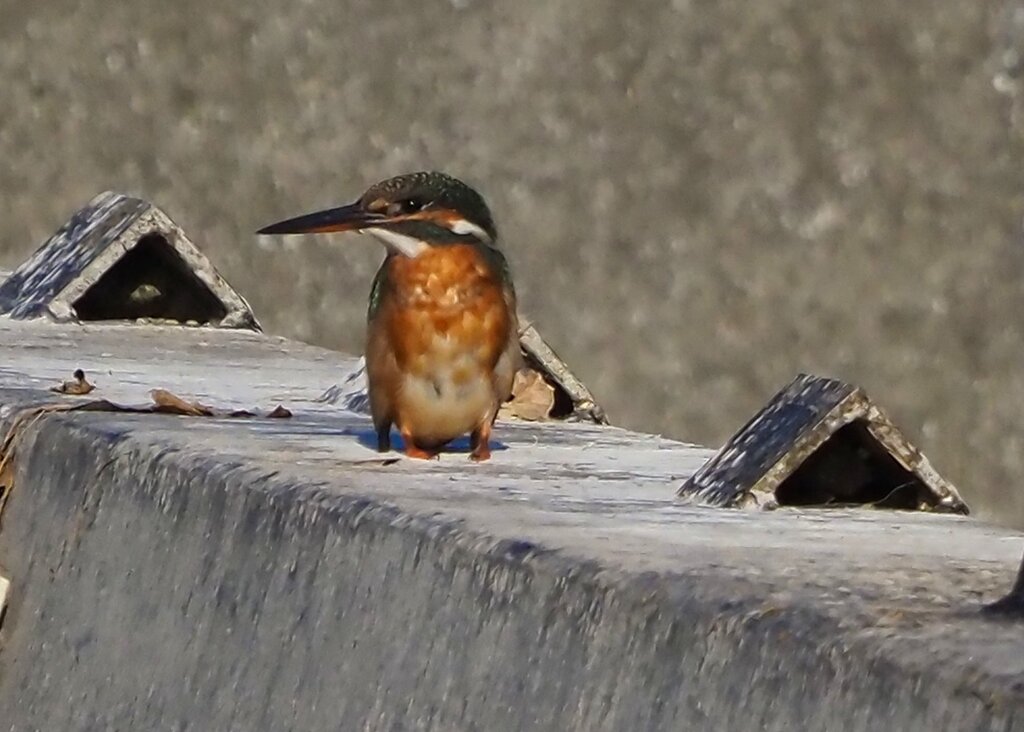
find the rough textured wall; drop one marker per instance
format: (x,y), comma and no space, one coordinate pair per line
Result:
(699,198)
(158,586)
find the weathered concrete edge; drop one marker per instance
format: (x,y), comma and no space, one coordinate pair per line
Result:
(579,646)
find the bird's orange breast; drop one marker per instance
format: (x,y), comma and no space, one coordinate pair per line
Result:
(447,311)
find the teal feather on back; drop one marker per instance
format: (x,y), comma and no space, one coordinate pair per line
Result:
(380,283)
(497,261)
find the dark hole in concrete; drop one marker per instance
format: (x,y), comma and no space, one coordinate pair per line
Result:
(150,281)
(563,406)
(852,467)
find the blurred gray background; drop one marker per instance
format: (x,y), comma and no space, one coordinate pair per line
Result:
(699,198)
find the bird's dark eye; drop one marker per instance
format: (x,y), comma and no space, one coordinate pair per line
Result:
(406,206)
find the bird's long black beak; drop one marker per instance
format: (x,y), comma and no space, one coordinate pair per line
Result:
(344,218)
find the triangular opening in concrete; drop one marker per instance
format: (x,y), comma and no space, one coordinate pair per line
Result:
(821,442)
(122,258)
(853,468)
(150,281)
(572,399)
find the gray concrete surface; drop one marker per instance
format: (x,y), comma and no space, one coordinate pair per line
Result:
(236,574)
(699,199)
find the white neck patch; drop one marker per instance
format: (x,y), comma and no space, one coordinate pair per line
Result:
(396,243)
(462,227)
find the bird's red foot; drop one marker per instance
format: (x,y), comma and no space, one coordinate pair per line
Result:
(418,452)
(479,442)
(413,450)
(481,453)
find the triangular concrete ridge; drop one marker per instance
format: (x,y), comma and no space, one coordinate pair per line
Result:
(122,258)
(821,441)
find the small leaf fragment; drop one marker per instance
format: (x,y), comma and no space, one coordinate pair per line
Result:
(532,397)
(165,401)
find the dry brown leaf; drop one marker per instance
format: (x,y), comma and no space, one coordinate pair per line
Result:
(279,412)
(532,397)
(165,401)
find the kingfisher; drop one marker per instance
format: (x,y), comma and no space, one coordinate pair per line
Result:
(442,336)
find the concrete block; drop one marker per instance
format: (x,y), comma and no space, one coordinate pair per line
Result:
(236,574)
(121,258)
(572,398)
(821,442)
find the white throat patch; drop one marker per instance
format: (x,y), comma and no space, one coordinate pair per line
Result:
(396,243)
